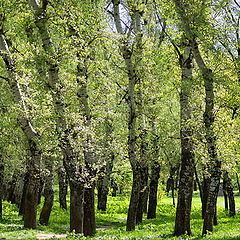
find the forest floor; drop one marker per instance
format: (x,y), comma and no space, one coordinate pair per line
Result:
(111,224)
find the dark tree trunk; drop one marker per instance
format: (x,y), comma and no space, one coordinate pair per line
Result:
(152,205)
(132,210)
(103,186)
(1,182)
(225,194)
(104,179)
(22,204)
(229,193)
(182,222)
(142,194)
(195,185)
(48,192)
(76,206)
(63,187)
(41,186)
(173,197)
(114,188)
(89,226)
(199,184)
(206,184)
(238,183)
(155,174)
(32,188)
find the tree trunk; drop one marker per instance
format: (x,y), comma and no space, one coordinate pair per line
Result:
(198,183)
(230,194)
(63,187)
(76,206)
(206,184)
(238,183)
(225,194)
(1,182)
(132,210)
(152,205)
(103,185)
(155,174)
(182,222)
(89,225)
(48,191)
(142,194)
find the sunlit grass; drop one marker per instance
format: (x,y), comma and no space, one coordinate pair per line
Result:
(11,226)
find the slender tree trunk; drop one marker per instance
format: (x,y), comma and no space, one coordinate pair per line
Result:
(103,182)
(155,174)
(143,158)
(230,194)
(225,194)
(206,184)
(182,222)
(1,182)
(63,187)
(48,191)
(238,183)
(198,183)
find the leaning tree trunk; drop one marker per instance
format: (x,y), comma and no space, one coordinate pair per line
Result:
(34,158)
(182,221)
(70,159)
(214,164)
(48,191)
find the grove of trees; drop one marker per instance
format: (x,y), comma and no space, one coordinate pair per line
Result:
(104,94)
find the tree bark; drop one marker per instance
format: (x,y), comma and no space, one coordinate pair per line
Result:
(229,193)
(89,224)
(48,191)
(76,206)
(182,222)
(1,182)
(155,174)
(63,187)
(103,184)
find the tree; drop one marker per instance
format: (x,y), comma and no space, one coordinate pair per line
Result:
(207,74)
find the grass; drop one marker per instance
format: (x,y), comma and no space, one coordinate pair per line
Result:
(11,226)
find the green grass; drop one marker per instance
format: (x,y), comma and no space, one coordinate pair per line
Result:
(11,226)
